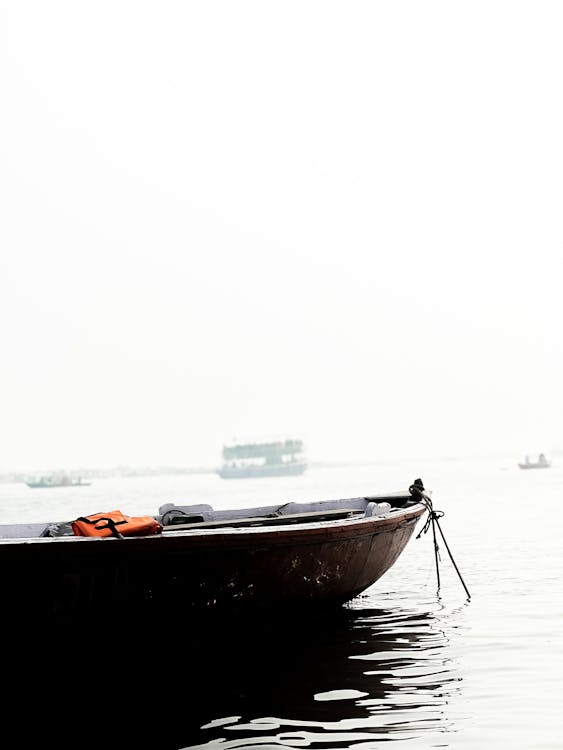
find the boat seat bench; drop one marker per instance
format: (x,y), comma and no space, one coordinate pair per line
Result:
(324,515)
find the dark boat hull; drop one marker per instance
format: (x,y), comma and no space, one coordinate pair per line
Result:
(228,568)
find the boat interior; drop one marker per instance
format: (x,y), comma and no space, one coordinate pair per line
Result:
(192,516)
(185,517)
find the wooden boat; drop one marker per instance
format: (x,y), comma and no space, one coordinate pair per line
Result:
(198,559)
(541,463)
(271,458)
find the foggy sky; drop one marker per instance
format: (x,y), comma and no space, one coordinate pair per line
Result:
(339,221)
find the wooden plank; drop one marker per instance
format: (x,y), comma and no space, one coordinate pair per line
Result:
(288,518)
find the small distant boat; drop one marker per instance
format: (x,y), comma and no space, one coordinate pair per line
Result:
(274,458)
(57,480)
(541,463)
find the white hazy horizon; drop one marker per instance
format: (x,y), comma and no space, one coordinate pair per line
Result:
(334,221)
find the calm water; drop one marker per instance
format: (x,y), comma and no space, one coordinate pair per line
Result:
(402,664)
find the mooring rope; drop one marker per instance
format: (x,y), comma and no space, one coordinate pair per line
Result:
(417,489)
(432,515)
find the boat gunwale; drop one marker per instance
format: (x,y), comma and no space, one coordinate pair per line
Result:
(274,533)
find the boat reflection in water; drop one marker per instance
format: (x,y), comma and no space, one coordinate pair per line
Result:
(331,680)
(352,676)
(365,676)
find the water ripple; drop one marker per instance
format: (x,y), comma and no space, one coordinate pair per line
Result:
(328,692)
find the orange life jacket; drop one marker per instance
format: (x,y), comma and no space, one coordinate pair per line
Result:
(115,523)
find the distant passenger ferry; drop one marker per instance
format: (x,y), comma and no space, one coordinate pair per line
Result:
(276,458)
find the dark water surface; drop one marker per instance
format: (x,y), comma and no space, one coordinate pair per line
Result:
(402,664)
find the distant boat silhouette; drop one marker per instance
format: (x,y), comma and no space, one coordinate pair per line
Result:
(273,458)
(541,463)
(57,480)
